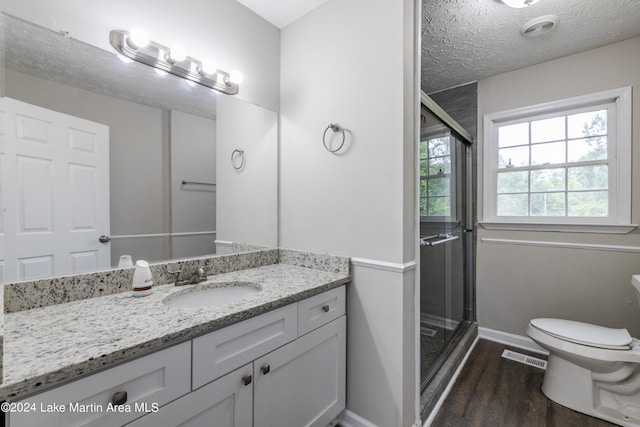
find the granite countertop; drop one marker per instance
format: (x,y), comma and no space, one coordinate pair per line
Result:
(46,346)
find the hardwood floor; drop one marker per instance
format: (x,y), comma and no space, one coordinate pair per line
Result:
(493,391)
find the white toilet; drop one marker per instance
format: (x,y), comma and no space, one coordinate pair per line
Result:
(591,369)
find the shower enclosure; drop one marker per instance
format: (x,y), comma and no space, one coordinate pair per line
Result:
(446,238)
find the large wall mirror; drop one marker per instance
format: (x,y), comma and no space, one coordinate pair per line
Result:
(102,159)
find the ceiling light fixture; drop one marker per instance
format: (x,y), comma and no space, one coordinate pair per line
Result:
(539,26)
(519,3)
(136,45)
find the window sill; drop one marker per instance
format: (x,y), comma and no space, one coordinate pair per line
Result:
(567,228)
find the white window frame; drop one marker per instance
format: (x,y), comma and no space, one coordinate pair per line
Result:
(619,145)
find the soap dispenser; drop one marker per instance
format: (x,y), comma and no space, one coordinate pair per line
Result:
(142,280)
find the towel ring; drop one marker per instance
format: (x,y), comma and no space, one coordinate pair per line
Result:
(237,159)
(335,128)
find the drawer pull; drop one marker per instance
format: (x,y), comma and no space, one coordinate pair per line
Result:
(119,398)
(265,369)
(325,308)
(246,380)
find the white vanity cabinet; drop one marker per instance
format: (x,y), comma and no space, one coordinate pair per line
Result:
(302,383)
(296,375)
(225,402)
(283,368)
(298,385)
(112,397)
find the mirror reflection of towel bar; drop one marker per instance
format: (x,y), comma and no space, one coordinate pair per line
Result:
(196,182)
(445,237)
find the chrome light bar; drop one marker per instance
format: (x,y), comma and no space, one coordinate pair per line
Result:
(158,56)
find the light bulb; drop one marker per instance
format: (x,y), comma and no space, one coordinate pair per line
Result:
(519,3)
(138,39)
(236,77)
(177,53)
(207,67)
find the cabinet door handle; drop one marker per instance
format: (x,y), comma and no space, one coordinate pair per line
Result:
(325,308)
(246,380)
(265,369)
(119,398)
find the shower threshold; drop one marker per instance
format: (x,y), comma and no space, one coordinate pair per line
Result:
(436,381)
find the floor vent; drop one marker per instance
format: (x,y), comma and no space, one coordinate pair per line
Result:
(428,332)
(523,358)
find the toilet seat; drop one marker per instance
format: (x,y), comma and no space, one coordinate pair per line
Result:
(584,333)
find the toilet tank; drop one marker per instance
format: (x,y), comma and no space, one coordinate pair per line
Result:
(635,282)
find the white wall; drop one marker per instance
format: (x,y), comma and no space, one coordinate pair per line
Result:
(516,283)
(247,201)
(223,30)
(353,62)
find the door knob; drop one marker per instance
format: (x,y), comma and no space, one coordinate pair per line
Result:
(104,239)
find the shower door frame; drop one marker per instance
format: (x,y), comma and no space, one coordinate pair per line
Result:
(468,302)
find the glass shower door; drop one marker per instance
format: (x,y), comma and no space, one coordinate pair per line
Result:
(443,236)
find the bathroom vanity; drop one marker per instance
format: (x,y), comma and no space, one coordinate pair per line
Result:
(274,359)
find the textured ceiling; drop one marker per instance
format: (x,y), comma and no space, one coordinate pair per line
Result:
(468,40)
(462,41)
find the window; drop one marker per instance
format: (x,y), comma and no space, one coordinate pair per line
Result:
(436,180)
(562,163)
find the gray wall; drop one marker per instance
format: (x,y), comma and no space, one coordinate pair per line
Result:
(518,282)
(461,103)
(193,206)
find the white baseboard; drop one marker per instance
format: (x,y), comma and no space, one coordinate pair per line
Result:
(513,340)
(351,419)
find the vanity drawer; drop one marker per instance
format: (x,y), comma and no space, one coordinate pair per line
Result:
(320,309)
(149,382)
(226,349)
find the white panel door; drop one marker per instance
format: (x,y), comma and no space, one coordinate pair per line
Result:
(55,192)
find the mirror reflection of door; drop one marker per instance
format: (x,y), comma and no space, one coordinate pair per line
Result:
(55,195)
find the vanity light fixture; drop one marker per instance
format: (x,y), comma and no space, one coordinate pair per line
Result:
(176,54)
(138,39)
(135,44)
(519,3)
(236,77)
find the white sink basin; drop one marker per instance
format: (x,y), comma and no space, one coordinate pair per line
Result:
(212,294)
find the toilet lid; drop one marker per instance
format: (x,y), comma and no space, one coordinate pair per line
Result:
(584,333)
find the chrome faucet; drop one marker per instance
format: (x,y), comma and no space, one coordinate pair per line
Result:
(197,276)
